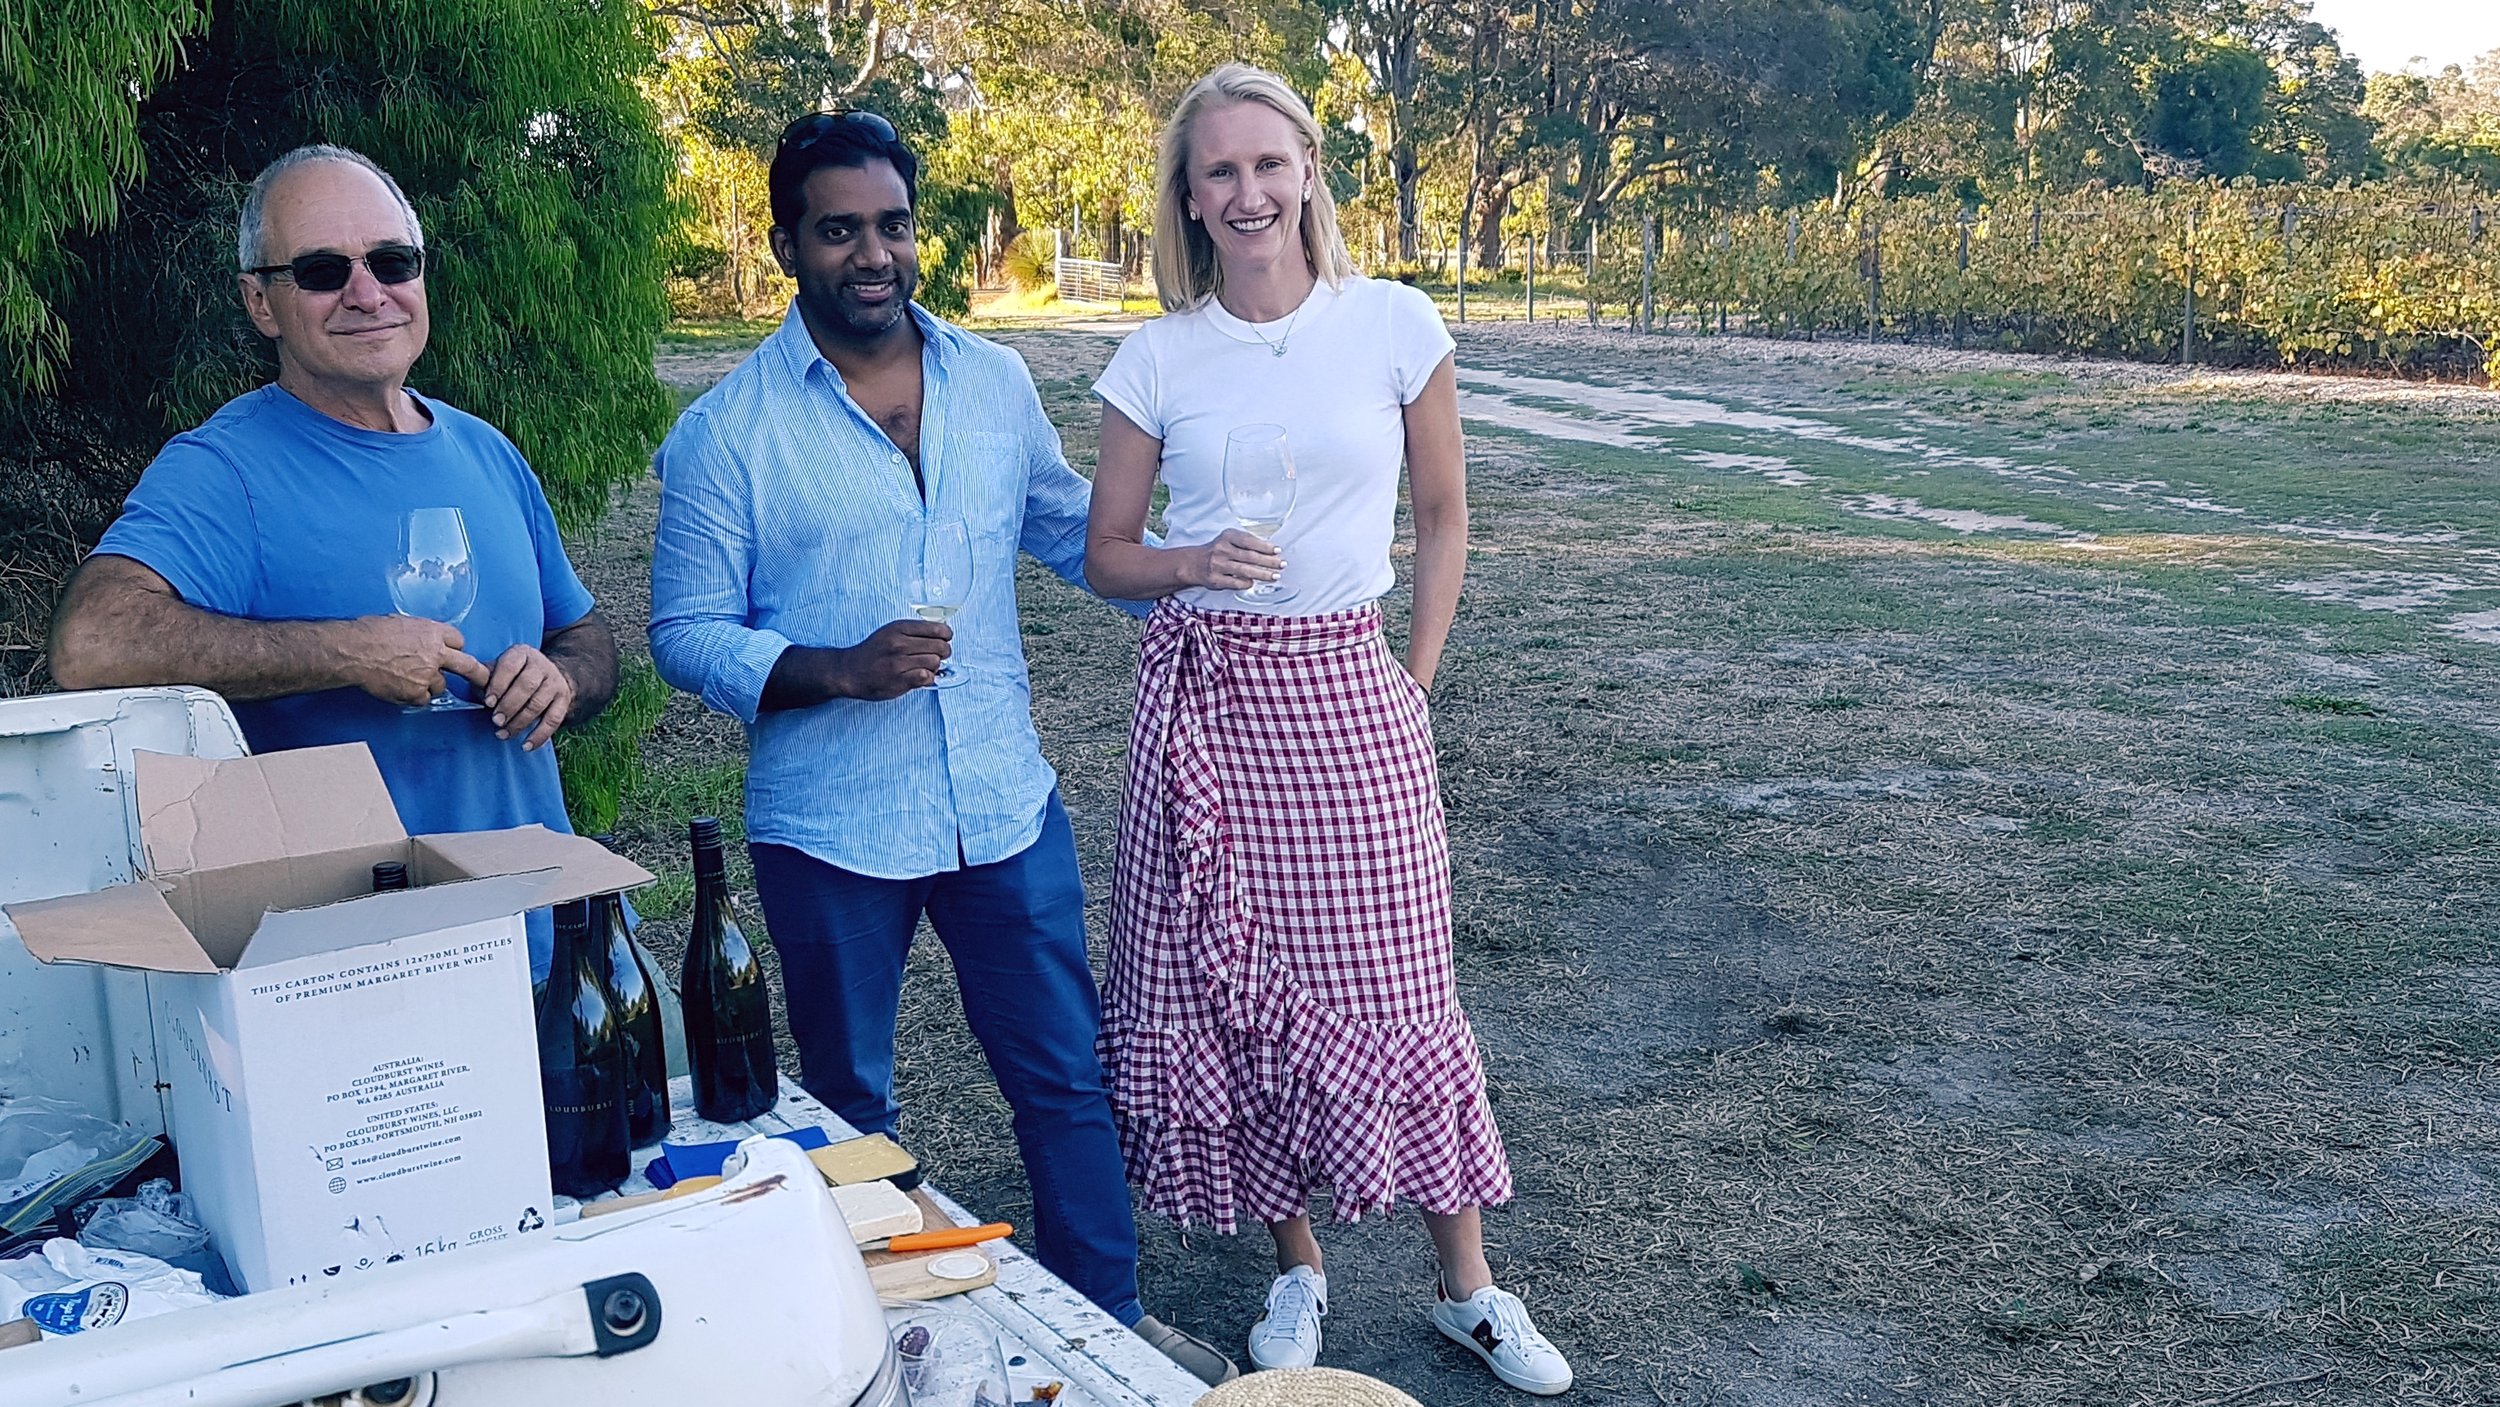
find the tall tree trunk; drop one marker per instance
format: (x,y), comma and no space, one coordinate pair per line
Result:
(1408,174)
(1492,202)
(1395,69)
(1009,227)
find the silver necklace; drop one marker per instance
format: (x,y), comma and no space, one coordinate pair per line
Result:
(1277,347)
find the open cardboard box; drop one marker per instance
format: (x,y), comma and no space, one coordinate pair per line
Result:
(353,1077)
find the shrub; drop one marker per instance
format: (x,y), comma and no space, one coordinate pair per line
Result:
(2399,278)
(602,759)
(1028,263)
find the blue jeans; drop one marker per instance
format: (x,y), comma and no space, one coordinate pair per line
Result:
(1016,932)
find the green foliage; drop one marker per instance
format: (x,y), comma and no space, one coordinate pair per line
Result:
(2388,277)
(601,761)
(69,142)
(1070,99)
(2203,105)
(951,220)
(2444,125)
(750,66)
(2030,92)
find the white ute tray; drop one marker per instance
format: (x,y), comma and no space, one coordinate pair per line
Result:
(752,1304)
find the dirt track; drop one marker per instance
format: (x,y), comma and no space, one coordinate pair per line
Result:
(1974,879)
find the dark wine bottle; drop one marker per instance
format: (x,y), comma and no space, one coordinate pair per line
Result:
(638,1012)
(389,875)
(581,1063)
(729,1006)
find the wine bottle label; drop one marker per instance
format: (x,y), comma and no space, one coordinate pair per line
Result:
(601,1107)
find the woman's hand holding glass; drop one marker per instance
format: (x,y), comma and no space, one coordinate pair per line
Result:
(1259,488)
(1237,561)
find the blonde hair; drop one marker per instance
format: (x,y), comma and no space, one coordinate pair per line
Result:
(1186,270)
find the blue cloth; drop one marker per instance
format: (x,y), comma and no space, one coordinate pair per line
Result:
(1016,932)
(786,516)
(679,1161)
(273,511)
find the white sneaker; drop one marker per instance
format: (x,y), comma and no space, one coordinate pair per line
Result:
(1287,1335)
(1496,1325)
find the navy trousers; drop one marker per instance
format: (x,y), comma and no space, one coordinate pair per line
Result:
(1016,932)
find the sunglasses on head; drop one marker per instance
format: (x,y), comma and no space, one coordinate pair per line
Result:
(325,272)
(816,126)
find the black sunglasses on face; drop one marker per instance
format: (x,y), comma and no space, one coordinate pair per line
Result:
(328,273)
(816,126)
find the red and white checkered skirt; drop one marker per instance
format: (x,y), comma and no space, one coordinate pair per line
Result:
(1279,1012)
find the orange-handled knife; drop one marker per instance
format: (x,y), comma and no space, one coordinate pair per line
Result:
(946,1240)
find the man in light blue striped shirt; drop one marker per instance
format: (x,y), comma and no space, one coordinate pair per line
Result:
(794,497)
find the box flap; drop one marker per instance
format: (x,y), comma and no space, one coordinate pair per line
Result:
(576,867)
(378,918)
(128,925)
(198,814)
(224,907)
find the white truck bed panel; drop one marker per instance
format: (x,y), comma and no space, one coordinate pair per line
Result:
(749,1293)
(68,825)
(1061,1334)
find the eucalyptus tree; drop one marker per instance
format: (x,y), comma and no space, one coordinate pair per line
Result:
(1394,41)
(69,143)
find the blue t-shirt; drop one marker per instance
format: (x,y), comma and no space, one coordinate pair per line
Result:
(273,511)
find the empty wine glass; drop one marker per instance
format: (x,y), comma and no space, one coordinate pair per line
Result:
(940,580)
(435,579)
(951,1359)
(1259,488)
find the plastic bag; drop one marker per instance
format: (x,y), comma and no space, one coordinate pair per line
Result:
(156,1221)
(52,1151)
(72,1289)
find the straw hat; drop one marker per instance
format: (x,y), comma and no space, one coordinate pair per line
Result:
(1306,1387)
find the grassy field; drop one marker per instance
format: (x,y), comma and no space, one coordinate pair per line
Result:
(1975,877)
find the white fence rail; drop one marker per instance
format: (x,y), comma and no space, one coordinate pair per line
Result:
(1089,280)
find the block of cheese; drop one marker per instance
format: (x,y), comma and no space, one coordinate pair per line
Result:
(867,1159)
(875,1210)
(683,1187)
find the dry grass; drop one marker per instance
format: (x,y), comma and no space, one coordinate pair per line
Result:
(1911,967)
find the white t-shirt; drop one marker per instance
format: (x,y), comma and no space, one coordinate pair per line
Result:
(1354,358)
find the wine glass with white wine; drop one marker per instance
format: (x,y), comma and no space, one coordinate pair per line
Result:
(434,578)
(1259,487)
(940,580)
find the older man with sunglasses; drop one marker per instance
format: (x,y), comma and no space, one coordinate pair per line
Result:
(254,556)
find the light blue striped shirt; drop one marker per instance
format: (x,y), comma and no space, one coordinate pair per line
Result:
(784,515)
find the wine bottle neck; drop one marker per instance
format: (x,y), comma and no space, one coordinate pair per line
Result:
(572,935)
(570,952)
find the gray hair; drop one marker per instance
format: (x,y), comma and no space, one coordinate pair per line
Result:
(248,252)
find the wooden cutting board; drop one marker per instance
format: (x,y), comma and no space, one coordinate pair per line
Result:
(907,1277)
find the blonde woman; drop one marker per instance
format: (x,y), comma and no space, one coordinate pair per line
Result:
(1279,1011)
